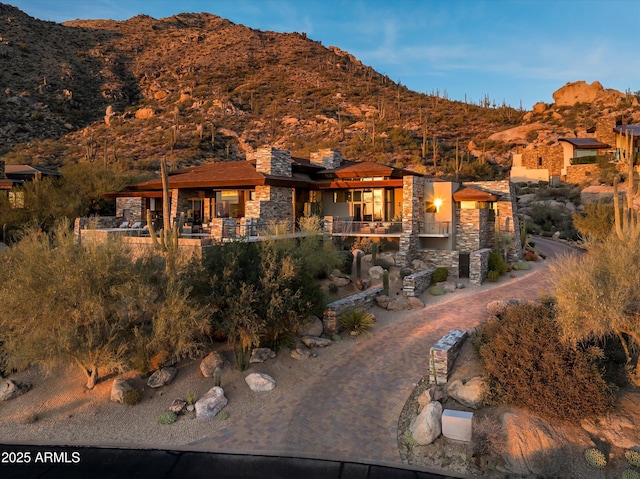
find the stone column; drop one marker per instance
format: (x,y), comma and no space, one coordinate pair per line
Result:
(412,204)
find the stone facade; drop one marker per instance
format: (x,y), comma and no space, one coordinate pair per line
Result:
(479,265)
(361,300)
(327,158)
(604,131)
(271,203)
(449,259)
(415,284)
(474,229)
(129,208)
(1,169)
(443,354)
(222,227)
(272,161)
(550,157)
(412,201)
(179,203)
(582,173)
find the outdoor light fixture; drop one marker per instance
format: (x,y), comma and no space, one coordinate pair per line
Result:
(437,203)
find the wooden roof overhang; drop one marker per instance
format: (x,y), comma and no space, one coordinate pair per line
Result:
(133,194)
(467,193)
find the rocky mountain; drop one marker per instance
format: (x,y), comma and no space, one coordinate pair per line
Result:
(197,87)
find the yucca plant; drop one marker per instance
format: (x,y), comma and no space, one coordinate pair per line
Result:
(357,321)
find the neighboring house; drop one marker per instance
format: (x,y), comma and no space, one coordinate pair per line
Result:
(562,160)
(440,222)
(14,176)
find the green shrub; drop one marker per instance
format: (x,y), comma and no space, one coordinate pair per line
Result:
(436,290)
(132,397)
(167,418)
(493,276)
(630,474)
(440,275)
(357,321)
(526,362)
(595,458)
(346,261)
(224,415)
(496,263)
(191,397)
(523,265)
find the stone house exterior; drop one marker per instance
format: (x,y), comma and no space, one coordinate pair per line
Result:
(440,222)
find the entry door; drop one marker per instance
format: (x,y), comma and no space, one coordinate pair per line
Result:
(463,261)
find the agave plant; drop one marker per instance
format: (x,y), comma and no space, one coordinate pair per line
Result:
(357,321)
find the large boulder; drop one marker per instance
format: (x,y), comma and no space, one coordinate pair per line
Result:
(210,363)
(211,403)
(9,389)
(313,327)
(470,393)
(427,426)
(397,305)
(581,91)
(415,303)
(260,382)
(300,354)
(162,377)
(375,272)
(315,342)
(119,389)
(260,355)
(383,301)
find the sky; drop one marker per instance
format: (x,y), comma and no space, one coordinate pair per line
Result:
(516,52)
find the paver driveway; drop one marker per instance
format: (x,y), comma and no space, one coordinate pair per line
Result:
(351,411)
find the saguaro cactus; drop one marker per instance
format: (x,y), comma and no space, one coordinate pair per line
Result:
(359,265)
(385,282)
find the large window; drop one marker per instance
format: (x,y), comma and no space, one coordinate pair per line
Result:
(370,204)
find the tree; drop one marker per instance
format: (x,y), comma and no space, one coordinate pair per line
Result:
(598,293)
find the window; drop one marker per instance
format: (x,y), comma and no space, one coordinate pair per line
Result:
(16,198)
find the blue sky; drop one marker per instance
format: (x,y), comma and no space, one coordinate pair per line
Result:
(512,50)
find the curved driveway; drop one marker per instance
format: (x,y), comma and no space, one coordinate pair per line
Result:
(351,411)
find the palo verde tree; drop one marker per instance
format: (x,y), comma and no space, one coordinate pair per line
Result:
(63,302)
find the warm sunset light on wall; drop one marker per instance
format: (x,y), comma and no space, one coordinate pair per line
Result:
(437,203)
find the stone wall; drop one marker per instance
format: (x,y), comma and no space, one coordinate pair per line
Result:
(326,158)
(130,208)
(479,265)
(99,222)
(449,259)
(582,173)
(361,300)
(604,131)
(223,228)
(443,354)
(471,229)
(552,158)
(415,284)
(271,203)
(179,203)
(272,161)
(412,200)
(1,169)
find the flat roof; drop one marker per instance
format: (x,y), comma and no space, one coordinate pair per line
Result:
(585,143)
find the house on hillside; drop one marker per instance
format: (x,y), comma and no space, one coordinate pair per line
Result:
(440,222)
(12,177)
(570,159)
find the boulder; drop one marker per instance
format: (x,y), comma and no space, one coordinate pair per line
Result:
(362,283)
(144,113)
(418,265)
(162,377)
(341,281)
(315,342)
(448,286)
(397,305)
(434,393)
(357,251)
(427,426)
(9,389)
(260,355)
(383,301)
(387,258)
(300,354)
(209,364)
(260,382)
(177,405)
(469,394)
(119,388)
(211,403)
(539,107)
(375,272)
(313,327)
(415,303)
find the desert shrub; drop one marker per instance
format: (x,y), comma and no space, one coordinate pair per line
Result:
(191,397)
(346,261)
(364,244)
(596,221)
(132,397)
(223,415)
(167,418)
(522,266)
(526,363)
(488,438)
(493,276)
(357,321)
(496,263)
(531,256)
(440,275)
(436,290)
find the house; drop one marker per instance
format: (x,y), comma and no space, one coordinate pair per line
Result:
(14,176)
(440,222)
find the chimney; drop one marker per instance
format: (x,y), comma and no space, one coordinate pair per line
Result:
(327,158)
(272,161)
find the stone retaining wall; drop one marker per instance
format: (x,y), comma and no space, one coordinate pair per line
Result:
(449,259)
(443,354)
(361,300)
(479,265)
(416,283)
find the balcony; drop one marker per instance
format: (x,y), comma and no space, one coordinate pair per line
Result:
(347,227)
(435,229)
